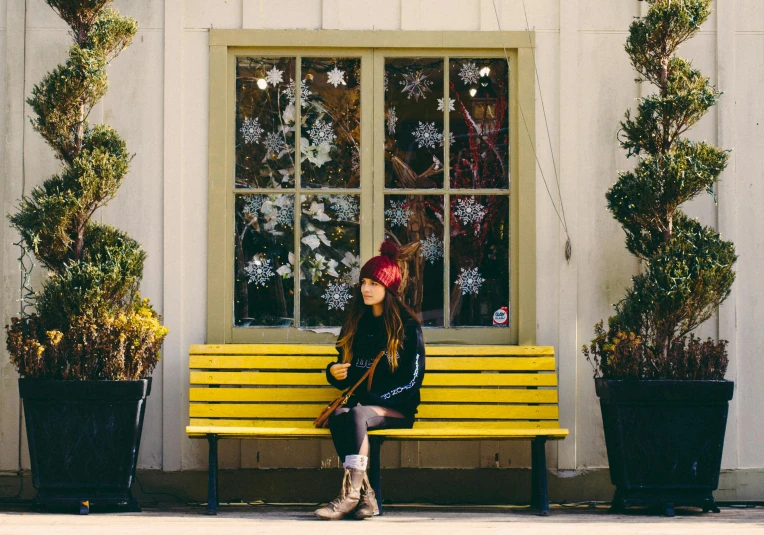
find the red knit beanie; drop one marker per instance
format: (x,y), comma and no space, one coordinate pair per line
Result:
(384,268)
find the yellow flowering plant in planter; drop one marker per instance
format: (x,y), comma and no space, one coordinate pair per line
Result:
(108,346)
(85,354)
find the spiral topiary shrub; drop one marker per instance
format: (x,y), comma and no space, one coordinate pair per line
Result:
(90,322)
(688,267)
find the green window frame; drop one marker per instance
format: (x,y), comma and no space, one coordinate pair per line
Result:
(372,48)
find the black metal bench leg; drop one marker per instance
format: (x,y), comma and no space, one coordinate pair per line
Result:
(540,498)
(534,477)
(375,477)
(212,476)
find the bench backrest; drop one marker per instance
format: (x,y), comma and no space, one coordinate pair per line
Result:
(273,385)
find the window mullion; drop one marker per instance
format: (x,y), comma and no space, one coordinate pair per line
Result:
(378,150)
(366,191)
(297,184)
(446,197)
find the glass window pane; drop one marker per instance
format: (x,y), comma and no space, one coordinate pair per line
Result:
(414,123)
(264,261)
(479,260)
(329,258)
(264,123)
(479,154)
(416,221)
(331,125)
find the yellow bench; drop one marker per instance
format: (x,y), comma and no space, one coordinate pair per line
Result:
(470,392)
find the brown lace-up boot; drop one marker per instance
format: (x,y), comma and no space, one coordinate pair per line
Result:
(347,501)
(368,506)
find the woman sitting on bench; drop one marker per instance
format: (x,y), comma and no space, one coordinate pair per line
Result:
(378,322)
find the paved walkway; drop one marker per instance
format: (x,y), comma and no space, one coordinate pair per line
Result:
(286,520)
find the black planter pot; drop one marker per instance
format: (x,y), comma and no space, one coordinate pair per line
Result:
(83,439)
(664,441)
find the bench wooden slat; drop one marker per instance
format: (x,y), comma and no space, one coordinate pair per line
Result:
(490,379)
(393,434)
(450,412)
(454,432)
(434,363)
(326,349)
(485,351)
(318,394)
(300,362)
(477,364)
(419,424)
(318,378)
(263,349)
(487,395)
(327,394)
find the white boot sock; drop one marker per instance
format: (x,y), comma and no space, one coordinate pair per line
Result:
(358,462)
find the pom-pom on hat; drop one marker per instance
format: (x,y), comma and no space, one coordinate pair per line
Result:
(384,268)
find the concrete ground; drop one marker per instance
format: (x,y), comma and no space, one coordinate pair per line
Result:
(400,520)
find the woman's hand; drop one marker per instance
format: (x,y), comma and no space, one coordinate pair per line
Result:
(339,371)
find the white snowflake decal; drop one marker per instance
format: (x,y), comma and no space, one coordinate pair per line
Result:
(392,119)
(431,249)
(470,281)
(337,295)
(387,81)
(274,76)
(469,211)
(322,133)
(251,130)
(426,135)
(450,139)
(259,271)
(346,207)
(274,142)
(285,216)
(451,103)
(288,91)
(252,204)
(336,77)
(416,85)
(398,213)
(469,74)
(305,93)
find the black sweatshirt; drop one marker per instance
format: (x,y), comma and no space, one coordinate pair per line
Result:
(398,390)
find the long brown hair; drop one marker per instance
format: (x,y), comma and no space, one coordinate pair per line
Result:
(392,307)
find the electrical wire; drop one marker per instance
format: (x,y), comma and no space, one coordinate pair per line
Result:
(182,500)
(560,217)
(15,498)
(26,265)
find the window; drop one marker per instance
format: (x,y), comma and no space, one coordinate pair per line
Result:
(318,154)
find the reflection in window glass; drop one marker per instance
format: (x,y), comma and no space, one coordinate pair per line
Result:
(264,123)
(329,258)
(264,261)
(478,119)
(479,260)
(413,123)
(416,222)
(330,140)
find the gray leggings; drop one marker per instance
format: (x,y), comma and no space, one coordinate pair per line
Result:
(349,427)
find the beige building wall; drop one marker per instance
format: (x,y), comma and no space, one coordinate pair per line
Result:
(158,101)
